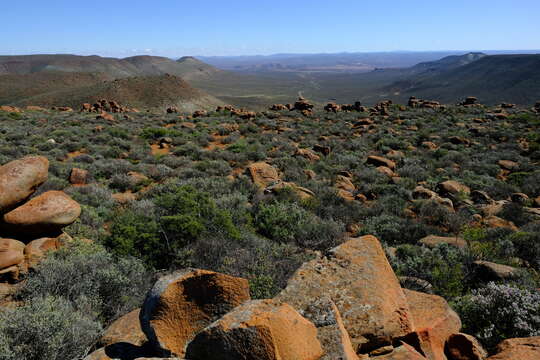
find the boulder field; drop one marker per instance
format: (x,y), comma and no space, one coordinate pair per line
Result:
(345,305)
(29,227)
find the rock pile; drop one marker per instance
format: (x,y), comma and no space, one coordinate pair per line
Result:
(420,103)
(29,228)
(105,105)
(469,101)
(241,113)
(333,107)
(345,305)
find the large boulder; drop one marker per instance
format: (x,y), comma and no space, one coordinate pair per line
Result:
(402,352)
(357,277)
(126,329)
(185,302)
(45,213)
(20,178)
(11,258)
(518,349)
(464,347)
(434,322)
(258,330)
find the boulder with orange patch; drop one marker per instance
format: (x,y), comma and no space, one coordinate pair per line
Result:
(183,303)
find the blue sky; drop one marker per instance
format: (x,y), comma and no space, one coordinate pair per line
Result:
(242,27)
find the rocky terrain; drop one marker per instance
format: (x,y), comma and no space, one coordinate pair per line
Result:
(343,231)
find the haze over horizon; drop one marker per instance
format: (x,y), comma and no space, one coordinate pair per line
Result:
(214,28)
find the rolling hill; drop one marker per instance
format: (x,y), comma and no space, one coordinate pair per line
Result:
(187,68)
(143,92)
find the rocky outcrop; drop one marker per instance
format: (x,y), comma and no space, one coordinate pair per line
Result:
(381,161)
(257,330)
(20,178)
(183,303)
(11,258)
(357,277)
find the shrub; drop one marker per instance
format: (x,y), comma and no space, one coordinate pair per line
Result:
(444,267)
(46,328)
(91,279)
(290,223)
(497,312)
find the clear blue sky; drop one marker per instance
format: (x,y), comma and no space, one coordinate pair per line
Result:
(245,27)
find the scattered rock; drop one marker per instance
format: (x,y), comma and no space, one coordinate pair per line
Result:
(78,176)
(453,187)
(20,178)
(496,222)
(464,347)
(308,154)
(257,330)
(432,240)
(489,271)
(263,174)
(36,250)
(325,150)
(183,303)
(508,165)
(381,161)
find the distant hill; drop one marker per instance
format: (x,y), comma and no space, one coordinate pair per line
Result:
(493,79)
(187,68)
(143,92)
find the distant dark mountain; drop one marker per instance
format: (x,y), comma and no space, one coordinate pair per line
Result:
(187,68)
(493,79)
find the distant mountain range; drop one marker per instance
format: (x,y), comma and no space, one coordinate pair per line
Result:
(154,82)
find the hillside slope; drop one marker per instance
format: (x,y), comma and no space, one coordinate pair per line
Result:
(493,79)
(144,92)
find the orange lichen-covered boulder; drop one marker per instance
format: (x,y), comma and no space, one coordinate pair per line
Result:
(402,352)
(184,302)
(434,322)
(518,349)
(357,277)
(258,330)
(20,178)
(263,174)
(47,212)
